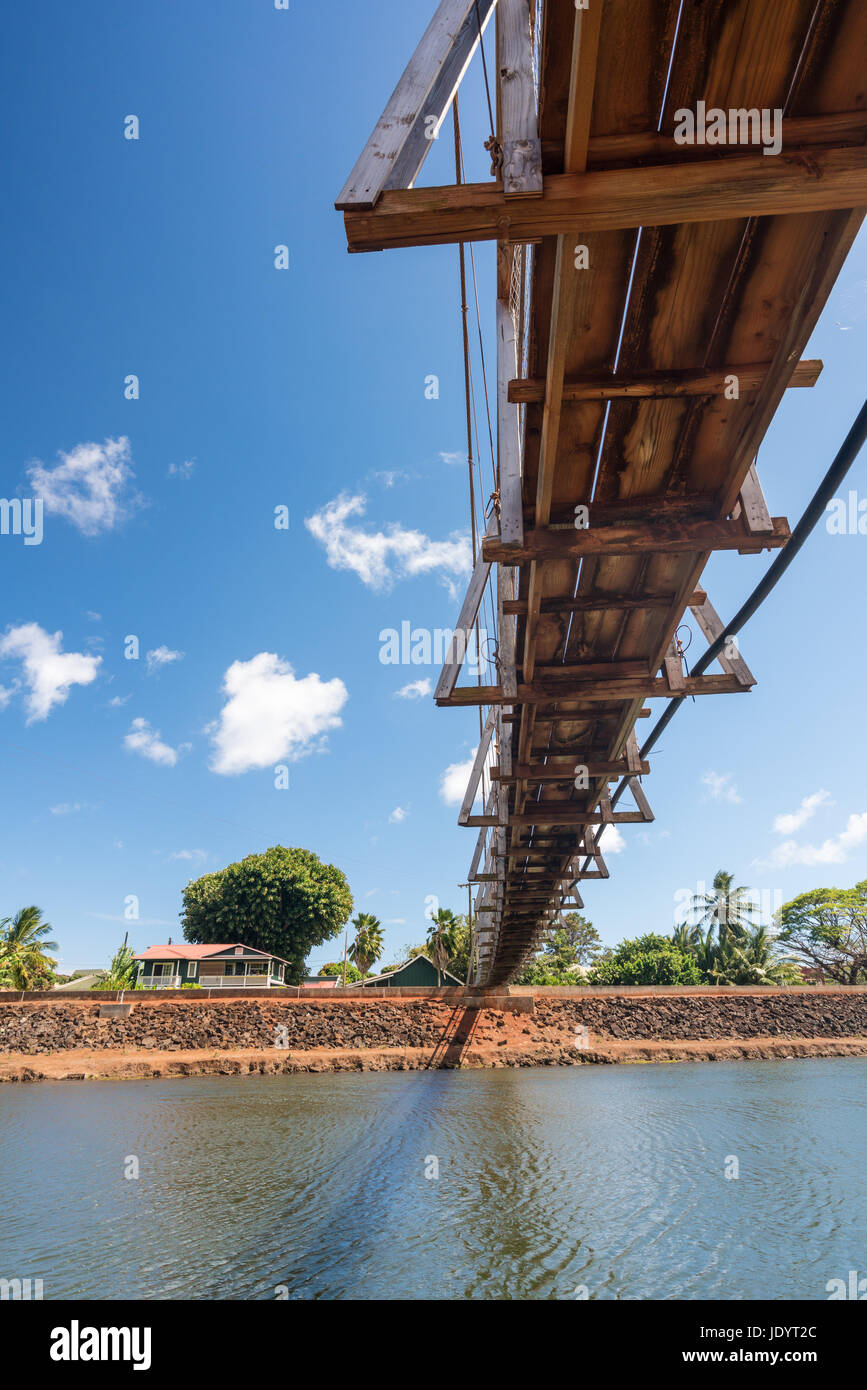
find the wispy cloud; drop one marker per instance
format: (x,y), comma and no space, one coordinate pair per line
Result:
(48,673)
(161,656)
(452,457)
(834,850)
(117,700)
(68,808)
(271,715)
(149,743)
(720,786)
(189,854)
(789,823)
(181,470)
(381,557)
(415,690)
(399,814)
(90,487)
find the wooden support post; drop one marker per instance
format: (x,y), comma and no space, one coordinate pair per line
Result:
(508,426)
(476,771)
(403,135)
(465,624)
(711,626)
(752,504)
(519,135)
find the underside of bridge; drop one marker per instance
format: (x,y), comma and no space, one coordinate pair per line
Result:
(677,184)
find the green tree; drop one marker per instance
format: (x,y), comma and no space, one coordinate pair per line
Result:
(335,967)
(23,944)
(754,959)
(122,972)
(828,928)
(366,946)
(574,942)
(442,939)
(648,960)
(285,901)
(727,908)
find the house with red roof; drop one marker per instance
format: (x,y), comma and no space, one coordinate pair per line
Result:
(214,966)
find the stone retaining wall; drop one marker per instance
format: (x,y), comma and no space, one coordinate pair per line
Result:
(40,1026)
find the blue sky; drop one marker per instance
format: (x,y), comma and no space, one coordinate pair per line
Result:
(263,388)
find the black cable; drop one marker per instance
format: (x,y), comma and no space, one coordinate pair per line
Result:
(846,456)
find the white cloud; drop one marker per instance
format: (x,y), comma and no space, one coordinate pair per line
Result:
(198,854)
(89,487)
(48,672)
(271,715)
(380,557)
(399,814)
(453,782)
(452,457)
(720,786)
(788,824)
(161,656)
(834,850)
(149,742)
(181,470)
(67,808)
(611,840)
(117,700)
(415,690)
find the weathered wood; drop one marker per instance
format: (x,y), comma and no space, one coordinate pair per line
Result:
(465,624)
(519,134)
(608,199)
(565,772)
(701,382)
(584,603)
(672,537)
(508,439)
(752,502)
(673,667)
(711,627)
(402,136)
(476,773)
(578,692)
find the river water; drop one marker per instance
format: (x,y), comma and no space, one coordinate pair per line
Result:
(585,1182)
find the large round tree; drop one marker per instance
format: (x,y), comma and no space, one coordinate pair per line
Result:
(285,901)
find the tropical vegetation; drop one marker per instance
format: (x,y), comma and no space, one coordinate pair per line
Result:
(24,962)
(286,901)
(366,946)
(827,928)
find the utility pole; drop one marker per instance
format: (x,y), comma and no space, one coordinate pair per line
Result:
(469,888)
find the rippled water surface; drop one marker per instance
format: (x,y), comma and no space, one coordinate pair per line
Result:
(604,1179)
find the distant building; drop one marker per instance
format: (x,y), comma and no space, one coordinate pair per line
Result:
(82,982)
(213,966)
(412,974)
(813,974)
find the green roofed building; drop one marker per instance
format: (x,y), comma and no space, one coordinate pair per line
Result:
(418,971)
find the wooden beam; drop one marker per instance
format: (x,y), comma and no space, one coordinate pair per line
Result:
(711,627)
(519,134)
(674,537)
(752,504)
(466,621)
(475,776)
(587,603)
(508,435)
(577,692)
(701,382)
(403,134)
(711,190)
(565,772)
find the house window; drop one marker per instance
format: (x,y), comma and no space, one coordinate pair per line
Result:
(192,969)
(258,969)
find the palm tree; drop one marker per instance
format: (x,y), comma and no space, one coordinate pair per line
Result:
(23,961)
(686,938)
(122,972)
(442,938)
(368,942)
(754,959)
(727,908)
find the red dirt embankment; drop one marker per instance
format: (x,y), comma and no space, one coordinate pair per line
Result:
(149,1036)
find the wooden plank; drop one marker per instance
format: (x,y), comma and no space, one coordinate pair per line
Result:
(565,772)
(508,438)
(584,603)
(519,134)
(653,385)
(752,503)
(476,774)
(711,626)
(609,199)
(674,537)
(466,621)
(640,799)
(673,667)
(577,692)
(401,137)
(659,147)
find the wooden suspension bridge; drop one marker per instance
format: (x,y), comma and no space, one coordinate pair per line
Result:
(654,300)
